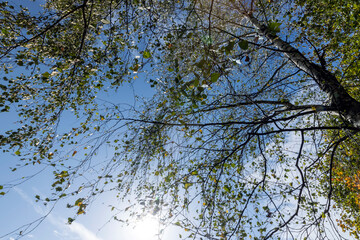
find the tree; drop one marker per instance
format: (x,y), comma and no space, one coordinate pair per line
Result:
(256,108)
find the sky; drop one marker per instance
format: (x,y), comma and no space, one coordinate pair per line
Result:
(18,207)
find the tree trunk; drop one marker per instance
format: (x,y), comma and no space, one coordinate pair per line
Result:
(346,105)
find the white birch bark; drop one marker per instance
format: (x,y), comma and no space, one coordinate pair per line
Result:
(347,106)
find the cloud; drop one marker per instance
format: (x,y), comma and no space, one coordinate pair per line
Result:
(68,231)
(82,231)
(24,196)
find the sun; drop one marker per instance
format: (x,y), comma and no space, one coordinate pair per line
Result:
(146,228)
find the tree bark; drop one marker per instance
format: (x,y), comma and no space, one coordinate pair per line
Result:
(347,106)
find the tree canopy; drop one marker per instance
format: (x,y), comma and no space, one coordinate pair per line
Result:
(252,131)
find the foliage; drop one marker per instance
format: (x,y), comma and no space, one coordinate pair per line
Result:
(337,24)
(252,132)
(344,186)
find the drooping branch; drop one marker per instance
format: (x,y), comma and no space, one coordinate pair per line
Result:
(45,30)
(299,196)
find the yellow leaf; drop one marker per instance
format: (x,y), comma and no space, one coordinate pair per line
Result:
(80,212)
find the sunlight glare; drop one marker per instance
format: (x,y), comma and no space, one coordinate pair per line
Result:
(146,229)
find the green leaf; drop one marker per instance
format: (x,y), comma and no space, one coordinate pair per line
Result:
(274,27)
(146,54)
(207,39)
(227,188)
(196,82)
(243,44)
(17,153)
(70,220)
(5,109)
(229,47)
(201,63)
(2,193)
(214,77)
(46,75)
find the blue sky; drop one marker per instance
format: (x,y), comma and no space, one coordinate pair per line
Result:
(18,206)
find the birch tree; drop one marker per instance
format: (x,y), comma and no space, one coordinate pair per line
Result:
(255,119)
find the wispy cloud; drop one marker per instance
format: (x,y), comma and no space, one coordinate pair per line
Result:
(82,231)
(74,231)
(26,198)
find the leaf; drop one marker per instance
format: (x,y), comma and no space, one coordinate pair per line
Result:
(17,153)
(274,27)
(105,21)
(214,77)
(74,153)
(229,47)
(79,202)
(227,188)
(146,54)
(243,44)
(70,220)
(80,211)
(196,82)
(201,63)
(5,109)
(46,75)
(207,39)
(187,185)
(135,68)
